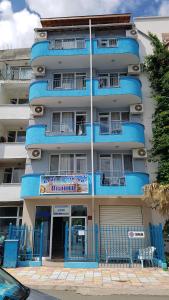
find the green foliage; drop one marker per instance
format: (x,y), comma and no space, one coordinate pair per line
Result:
(157,67)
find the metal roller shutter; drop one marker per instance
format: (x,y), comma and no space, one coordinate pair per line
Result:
(121,215)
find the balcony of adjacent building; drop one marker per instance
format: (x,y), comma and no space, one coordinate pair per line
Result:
(14,109)
(12,142)
(119,174)
(71,52)
(12,75)
(74,89)
(11,172)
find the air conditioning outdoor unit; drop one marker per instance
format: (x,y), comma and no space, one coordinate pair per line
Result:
(136,109)
(134,69)
(140,153)
(39,71)
(34,153)
(37,111)
(132,33)
(41,35)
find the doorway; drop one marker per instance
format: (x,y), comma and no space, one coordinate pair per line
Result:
(58,237)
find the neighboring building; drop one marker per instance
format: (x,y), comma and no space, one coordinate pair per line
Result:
(89,126)
(15,74)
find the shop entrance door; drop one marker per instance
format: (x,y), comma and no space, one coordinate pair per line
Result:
(78,242)
(58,237)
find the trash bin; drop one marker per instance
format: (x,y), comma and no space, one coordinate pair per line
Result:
(10,253)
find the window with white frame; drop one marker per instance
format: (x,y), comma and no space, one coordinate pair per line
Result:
(19,101)
(113,168)
(19,73)
(69,81)
(59,44)
(66,164)
(16,136)
(11,175)
(107,43)
(107,80)
(9,215)
(69,122)
(111,122)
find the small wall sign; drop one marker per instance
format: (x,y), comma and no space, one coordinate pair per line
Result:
(136,234)
(61,210)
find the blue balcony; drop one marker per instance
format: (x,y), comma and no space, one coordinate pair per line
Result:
(126,91)
(131,184)
(46,53)
(120,51)
(38,136)
(42,92)
(31,184)
(128,134)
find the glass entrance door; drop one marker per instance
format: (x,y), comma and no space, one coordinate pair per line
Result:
(78,237)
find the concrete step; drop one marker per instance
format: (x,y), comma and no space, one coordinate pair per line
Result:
(56,263)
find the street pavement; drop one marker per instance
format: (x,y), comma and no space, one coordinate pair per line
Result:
(101,281)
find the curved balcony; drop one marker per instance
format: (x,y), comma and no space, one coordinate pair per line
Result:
(43,92)
(120,51)
(129,184)
(125,91)
(123,134)
(56,53)
(38,136)
(46,53)
(31,184)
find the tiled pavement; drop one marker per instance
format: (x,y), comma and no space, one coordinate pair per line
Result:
(102,281)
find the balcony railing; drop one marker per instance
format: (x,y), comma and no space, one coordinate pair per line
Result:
(67,84)
(61,44)
(115,127)
(66,129)
(116,178)
(19,74)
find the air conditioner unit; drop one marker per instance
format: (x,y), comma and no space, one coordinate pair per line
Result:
(37,111)
(136,109)
(39,71)
(140,153)
(40,35)
(34,153)
(132,33)
(134,69)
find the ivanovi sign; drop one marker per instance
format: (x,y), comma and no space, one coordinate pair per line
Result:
(64,184)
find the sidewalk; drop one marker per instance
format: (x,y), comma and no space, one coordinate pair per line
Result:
(102,281)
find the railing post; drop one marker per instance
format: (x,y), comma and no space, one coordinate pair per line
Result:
(10,231)
(41,240)
(96,244)
(66,240)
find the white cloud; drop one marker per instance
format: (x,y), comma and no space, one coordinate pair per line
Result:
(62,8)
(164,8)
(16,29)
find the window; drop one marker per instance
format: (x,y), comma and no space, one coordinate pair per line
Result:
(69,122)
(107,80)
(69,81)
(110,123)
(113,168)
(9,215)
(64,164)
(78,211)
(105,43)
(20,73)
(16,136)
(68,44)
(11,175)
(19,101)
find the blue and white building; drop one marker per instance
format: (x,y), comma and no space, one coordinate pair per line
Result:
(89,127)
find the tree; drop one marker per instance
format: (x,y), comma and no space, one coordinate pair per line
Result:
(157,67)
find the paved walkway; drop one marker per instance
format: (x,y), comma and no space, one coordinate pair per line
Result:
(102,281)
